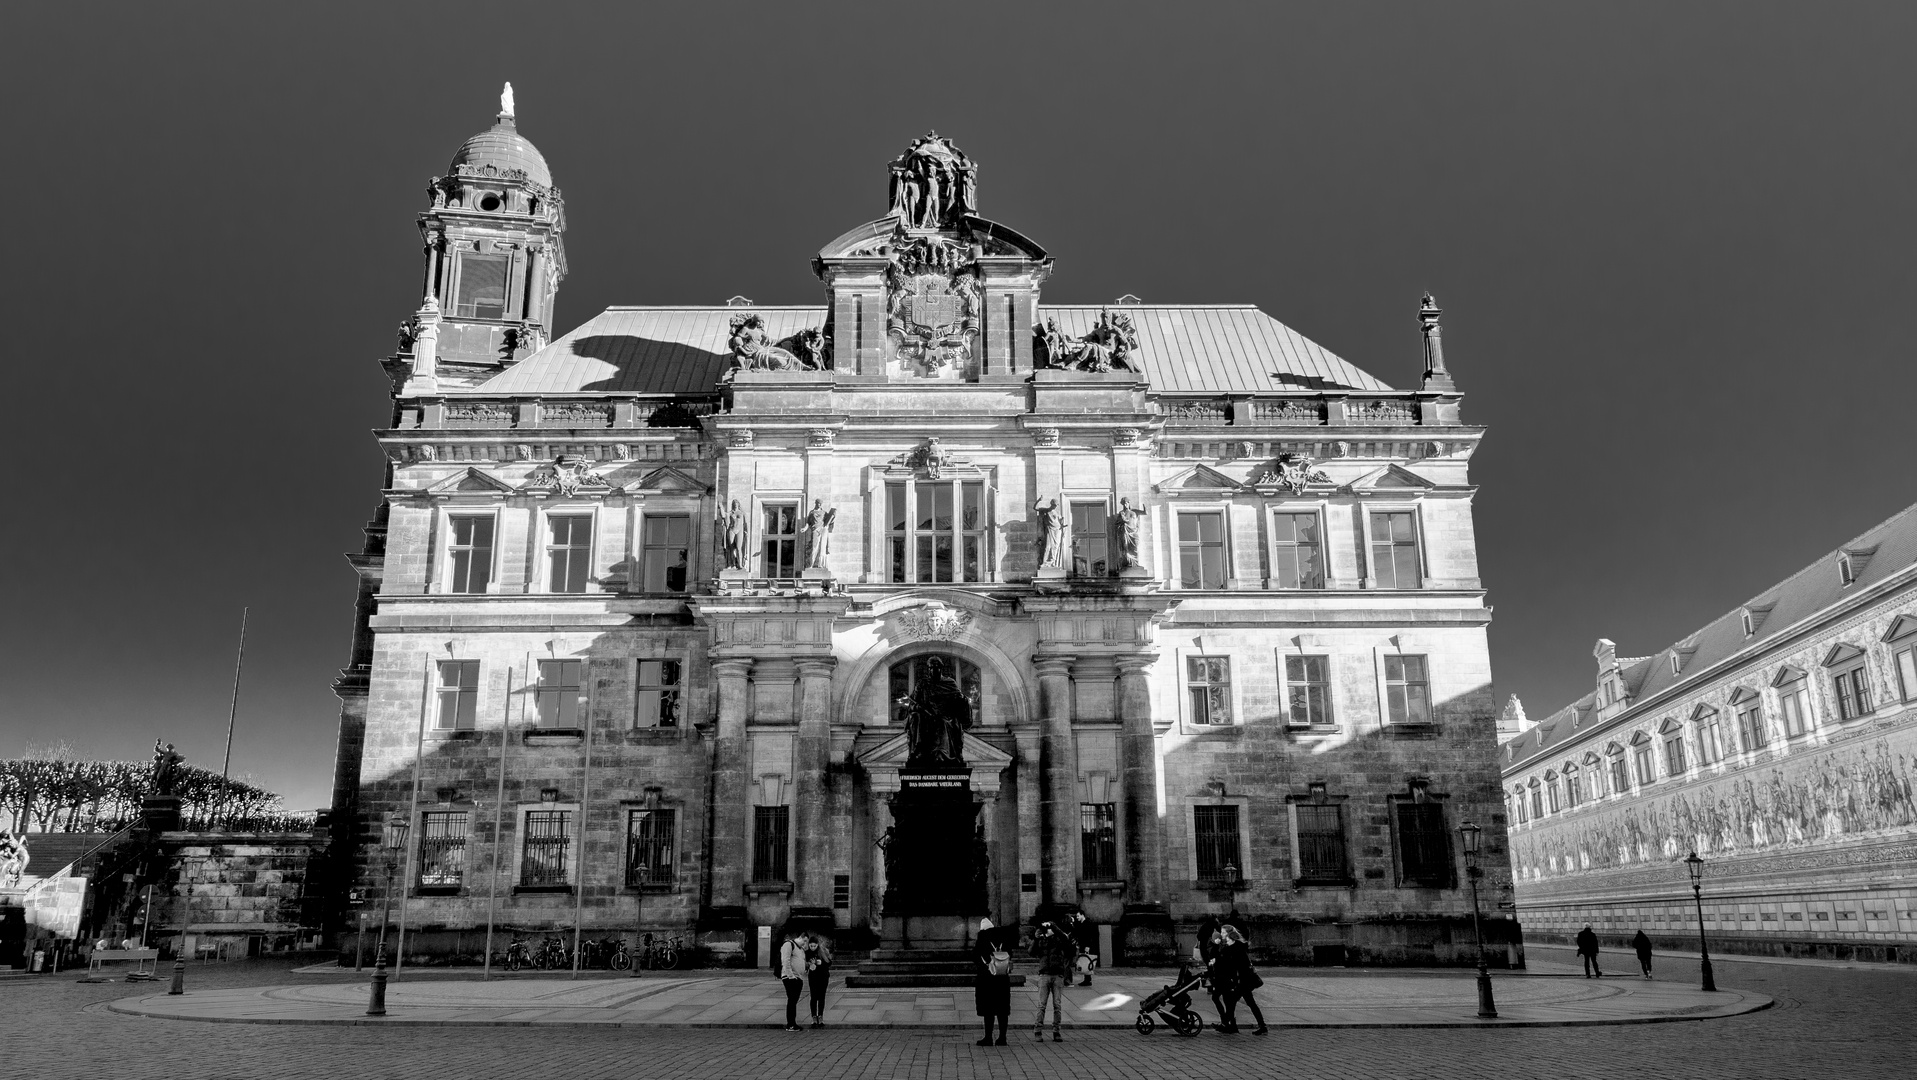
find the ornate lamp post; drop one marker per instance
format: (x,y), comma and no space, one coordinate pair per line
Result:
(1472,836)
(397,828)
(1696,866)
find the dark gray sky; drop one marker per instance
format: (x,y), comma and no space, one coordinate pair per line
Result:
(1673,243)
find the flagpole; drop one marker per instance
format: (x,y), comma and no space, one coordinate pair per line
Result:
(499,816)
(233,712)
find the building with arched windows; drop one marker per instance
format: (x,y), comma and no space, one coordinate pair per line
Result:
(1778,743)
(927,603)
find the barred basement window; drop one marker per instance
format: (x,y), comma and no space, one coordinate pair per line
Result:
(458,695)
(1215,833)
(1321,842)
(781,540)
(1424,848)
(663,561)
(1308,682)
(561,695)
(649,841)
(656,697)
(1098,841)
(771,832)
(1299,554)
(442,848)
(545,856)
(471,551)
(568,552)
(841,891)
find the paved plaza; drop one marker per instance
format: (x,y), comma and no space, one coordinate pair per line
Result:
(1825,1018)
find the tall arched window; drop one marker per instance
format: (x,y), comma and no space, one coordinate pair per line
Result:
(906,675)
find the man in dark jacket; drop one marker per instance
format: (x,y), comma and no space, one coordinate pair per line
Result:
(1588,949)
(1055,953)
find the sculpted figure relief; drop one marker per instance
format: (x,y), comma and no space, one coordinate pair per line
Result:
(933,184)
(732,526)
(753,349)
(1112,343)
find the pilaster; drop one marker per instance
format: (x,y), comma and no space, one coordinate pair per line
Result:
(814,877)
(1059,777)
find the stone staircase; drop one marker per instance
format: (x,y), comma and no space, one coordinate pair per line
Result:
(918,967)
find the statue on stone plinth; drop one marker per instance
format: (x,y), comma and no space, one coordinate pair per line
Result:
(1126,524)
(166,769)
(732,527)
(936,715)
(818,534)
(1051,534)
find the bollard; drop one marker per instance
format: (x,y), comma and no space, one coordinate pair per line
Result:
(179,976)
(376,1006)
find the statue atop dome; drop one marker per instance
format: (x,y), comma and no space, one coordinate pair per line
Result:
(933,184)
(506,100)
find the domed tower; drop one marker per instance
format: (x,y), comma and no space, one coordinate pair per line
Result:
(494,259)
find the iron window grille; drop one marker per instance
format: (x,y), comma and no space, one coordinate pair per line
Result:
(1299,552)
(1208,682)
(471,552)
(458,695)
(1098,841)
(1321,842)
(568,552)
(1308,683)
(442,849)
(665,553)
(771,836)
(649,846)
(1215,832)
(656,697)
(1201,550)
(1407,689)
(545,857)
(1394,550)
(561,693)
(841,891)
(1424,847)
(1091,547)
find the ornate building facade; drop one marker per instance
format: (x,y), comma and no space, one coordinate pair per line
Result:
(1778,743)
(928,603)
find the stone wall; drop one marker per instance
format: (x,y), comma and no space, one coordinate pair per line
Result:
(232,887)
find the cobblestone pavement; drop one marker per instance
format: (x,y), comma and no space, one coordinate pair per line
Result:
(1854,1023)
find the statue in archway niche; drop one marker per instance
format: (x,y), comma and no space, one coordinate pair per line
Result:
(935,712)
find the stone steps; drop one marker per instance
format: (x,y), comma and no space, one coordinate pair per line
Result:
(918,967)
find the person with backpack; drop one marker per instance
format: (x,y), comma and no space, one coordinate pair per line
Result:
(1588,950)
(818,974)
(792,974)
(1056,952)
(1642,945)
(992,989)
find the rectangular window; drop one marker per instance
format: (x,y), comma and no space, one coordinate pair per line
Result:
(841,891)
(1646,768)
(1407,690)
(771,834)
(1620,778)
(1537,800)
(472,553)
(1215,831)
(545,856)
(926,540)
(1573,788)
(1201,550)
(1321,842)
(665,547)
(649,843)
(1308,684)
(458,695)
(1091,557)
(561,693)
(1674,763)
(1793,704)
(1906,665)
(934,532)
(1520,808)
(1424,850)
(1098,841)
(656,697)
(1750,727)
(1853,693)
(897,531)
(1299,552)
(568,552)
(1709,747)
(972,554)
(1208,680)
(442,849)
(482,287)
(1394,550)
(780,534)
(1557,799)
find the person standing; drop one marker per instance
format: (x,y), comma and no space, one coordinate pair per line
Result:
(992,990)
(818,974)
(792,974)
(1642,945)
(1588,950)
(1239,979)
(1209,939)
(1055,953)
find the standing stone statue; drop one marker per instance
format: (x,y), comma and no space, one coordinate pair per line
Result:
(818,534)
(1126,523)
(732,526)
(166,769)
(1051,534)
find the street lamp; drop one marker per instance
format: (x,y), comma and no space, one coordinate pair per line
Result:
(1696,866)
(1472,836)
(397,828)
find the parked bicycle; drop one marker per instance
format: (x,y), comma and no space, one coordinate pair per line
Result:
(608,953)
(552,955)
(518,956)
(659,952)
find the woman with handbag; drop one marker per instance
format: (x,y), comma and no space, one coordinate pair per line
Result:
(1239,979)
(992,992)
(818,975)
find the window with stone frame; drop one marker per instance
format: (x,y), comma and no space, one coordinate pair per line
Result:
(1573,787)
(1297,551)
(1394,550)
(1424,846)
(1520,810)
(937,531)
(656,694)
(779,540)
(545,851)
(560,696)
(1675,760)
(1407,689)
(1098,841)
(1904,661)
(1710,743)
(458,695)
(1642,753)
(1850,684)
(1215,835)
(771,840)
(1752,732)
(469,551)
(1794,706)
(1594,774)
(1091,544)
(442,849)
(482,287)
(665,553)
(1620,773)
(1537,799)
(650,838)
(1321,840)
(1308,685)
(568,552)
(1208,687)
(1553,793)
(1201,550)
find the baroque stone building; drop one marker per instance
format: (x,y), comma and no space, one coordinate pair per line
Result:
(927,603)
(1778,743)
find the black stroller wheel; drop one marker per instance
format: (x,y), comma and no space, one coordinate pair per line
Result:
(1188,1025)
(1144,1023)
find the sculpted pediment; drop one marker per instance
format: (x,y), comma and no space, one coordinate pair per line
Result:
(1198,479)
(660,481)
(1391,477)
(470,482)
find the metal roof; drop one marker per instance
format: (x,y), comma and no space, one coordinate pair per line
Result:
(1184,348)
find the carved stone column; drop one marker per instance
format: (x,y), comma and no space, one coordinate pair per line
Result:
(1144,840)
(1059,768)
(730,794)
(814,879)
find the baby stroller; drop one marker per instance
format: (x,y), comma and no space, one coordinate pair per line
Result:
(1173,1006)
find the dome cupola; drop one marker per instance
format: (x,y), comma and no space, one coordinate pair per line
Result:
(501,150)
